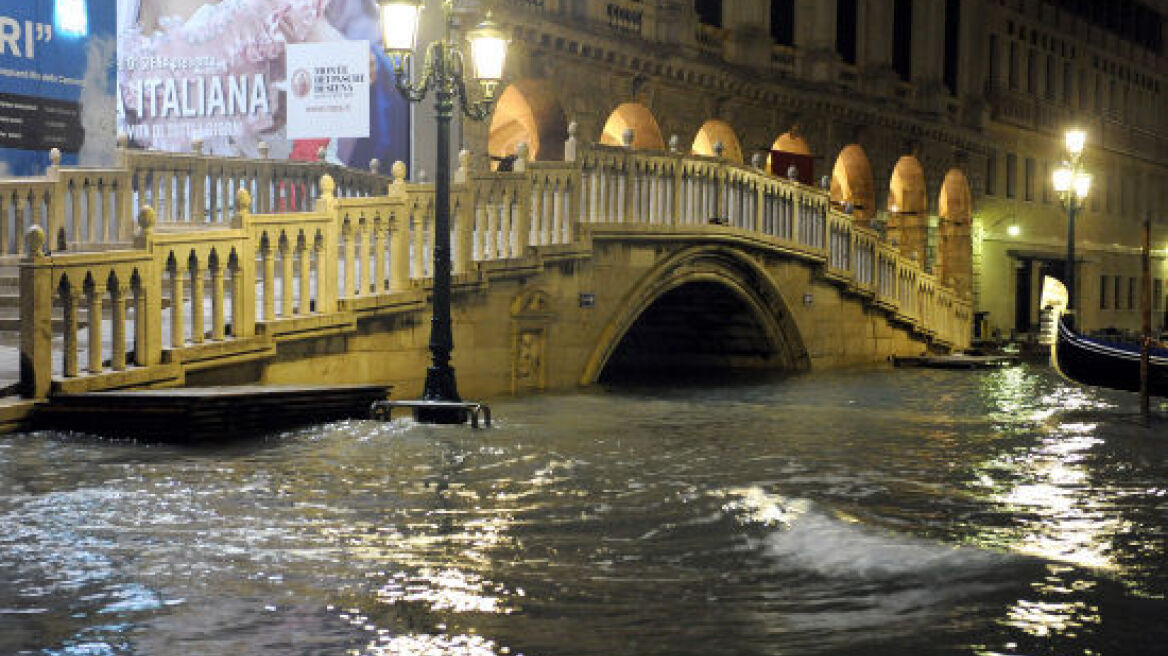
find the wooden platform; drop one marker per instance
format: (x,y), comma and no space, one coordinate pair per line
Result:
(956,361)
(203,414)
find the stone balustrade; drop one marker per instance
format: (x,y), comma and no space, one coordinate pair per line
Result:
(211,277)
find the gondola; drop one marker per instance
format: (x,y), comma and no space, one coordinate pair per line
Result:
(1093,362)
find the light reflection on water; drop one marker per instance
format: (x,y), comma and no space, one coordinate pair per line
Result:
(889,511)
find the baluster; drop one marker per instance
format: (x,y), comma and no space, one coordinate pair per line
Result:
(69,301)
(94,293)
(78,216)
(560,197)
(305,259)
(547,210)
(177,297)
(377,244)
(268,255)
(491,242)
(399,252)
(118,312)
(419,269)
(348,254)
(285,277)
(218,320)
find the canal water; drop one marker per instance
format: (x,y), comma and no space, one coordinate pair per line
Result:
(866,512)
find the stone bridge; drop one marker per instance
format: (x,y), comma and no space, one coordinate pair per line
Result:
(182,269)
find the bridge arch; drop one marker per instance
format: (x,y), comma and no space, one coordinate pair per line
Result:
(646,132)
(756,329)
(529,111)
(714,131)
(955,244)
(852,182)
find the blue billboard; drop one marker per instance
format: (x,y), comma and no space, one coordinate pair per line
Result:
(57,83)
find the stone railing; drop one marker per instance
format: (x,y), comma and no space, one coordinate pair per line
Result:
(210,288)
(88,208)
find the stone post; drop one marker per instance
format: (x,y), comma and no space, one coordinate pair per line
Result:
(36,311)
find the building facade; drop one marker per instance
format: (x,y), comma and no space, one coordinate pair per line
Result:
(938,121)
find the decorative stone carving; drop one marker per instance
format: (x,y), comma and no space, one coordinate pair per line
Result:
(531,317)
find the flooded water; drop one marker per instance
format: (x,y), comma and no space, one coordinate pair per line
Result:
(872,512)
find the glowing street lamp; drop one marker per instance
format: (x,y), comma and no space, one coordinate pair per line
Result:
(1072,184)
(445,75)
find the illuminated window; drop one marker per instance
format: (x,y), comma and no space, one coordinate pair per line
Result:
(72,17)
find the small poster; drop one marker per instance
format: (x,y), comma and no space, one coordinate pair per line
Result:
(328,90)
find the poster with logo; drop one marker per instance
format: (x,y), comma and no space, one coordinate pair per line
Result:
(217,72)
(57,82)
(329,90)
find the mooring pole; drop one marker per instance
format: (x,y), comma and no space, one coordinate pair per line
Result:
(1146,342)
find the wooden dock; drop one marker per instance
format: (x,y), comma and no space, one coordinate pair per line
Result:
(206,414)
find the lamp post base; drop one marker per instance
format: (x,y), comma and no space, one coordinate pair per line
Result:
(440,386)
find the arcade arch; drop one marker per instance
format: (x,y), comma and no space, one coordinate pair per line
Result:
(528,111)
(954,239)
(714,131)
(635,116)
(908,220)
(852,182)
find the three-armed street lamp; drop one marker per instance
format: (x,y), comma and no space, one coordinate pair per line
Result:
(1072,184)
(444,75)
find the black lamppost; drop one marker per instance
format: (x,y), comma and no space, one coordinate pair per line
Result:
(445,75)
(1072,184)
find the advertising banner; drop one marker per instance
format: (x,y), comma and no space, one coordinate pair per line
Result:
(57,83)
(329,90)
(219,72)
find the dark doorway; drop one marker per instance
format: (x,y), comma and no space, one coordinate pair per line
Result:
(1022,297)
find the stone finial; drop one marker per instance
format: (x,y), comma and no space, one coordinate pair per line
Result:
(123,140)
(757,160)
(55,157)
(460,175)
(243,200)
(627,137)
(34,237)
(327,186)
(398,186)
(320,153)
(719,149)
(374,166)
(422,175)
(147,219)
(849,207)
(522,152)
(792,172)
(264,149)
(570,145)
(825,182)
(674,143)
(197,146)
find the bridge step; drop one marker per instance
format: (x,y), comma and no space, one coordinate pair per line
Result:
(195,415)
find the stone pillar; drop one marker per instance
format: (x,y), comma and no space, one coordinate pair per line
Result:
(874,47)
(36,310)
(928,55)
(747,28)
(118,315)
(815,38)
